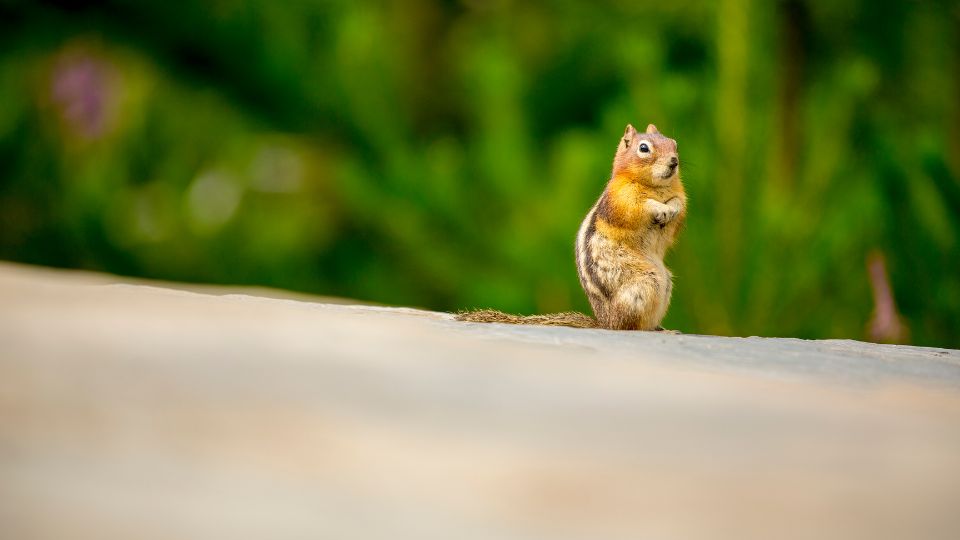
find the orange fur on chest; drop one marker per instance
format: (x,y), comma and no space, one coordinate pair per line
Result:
(623,207)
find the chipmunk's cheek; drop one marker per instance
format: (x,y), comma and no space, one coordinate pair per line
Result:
(662,171)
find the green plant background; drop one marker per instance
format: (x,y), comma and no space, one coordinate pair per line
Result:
(441,154)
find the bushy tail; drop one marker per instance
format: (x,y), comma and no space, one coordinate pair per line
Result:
(567,318)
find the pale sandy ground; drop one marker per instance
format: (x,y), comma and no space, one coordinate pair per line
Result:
(137,412)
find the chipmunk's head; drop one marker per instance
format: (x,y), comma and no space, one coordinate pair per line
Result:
(648,158)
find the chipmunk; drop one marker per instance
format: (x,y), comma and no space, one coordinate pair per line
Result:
(622,240)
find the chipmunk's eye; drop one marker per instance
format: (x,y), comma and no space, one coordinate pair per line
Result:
(644,148)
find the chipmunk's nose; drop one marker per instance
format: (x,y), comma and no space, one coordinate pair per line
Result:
(674,162)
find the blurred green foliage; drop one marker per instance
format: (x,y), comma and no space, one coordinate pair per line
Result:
(442,154)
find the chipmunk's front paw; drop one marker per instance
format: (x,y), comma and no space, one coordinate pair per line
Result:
(663,214)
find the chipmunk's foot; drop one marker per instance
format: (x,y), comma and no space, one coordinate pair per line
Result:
(665,331)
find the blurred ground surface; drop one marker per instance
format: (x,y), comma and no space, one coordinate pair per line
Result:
(131,411)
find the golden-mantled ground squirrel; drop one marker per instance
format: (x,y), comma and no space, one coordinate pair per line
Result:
(622,241)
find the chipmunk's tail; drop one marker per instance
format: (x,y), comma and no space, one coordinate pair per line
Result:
(567,318)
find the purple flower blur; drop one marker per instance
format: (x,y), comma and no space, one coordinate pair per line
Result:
(80,89)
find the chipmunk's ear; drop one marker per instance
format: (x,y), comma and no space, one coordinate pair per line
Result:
(628,134)
(652,129)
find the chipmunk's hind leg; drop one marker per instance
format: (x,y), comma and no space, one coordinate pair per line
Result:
(638,304)
(618,318)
